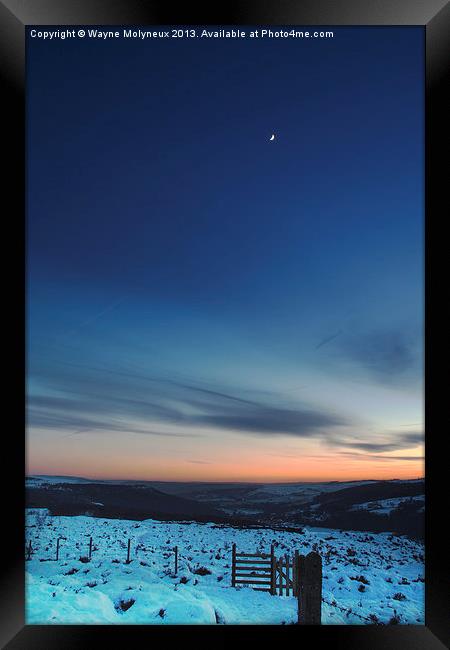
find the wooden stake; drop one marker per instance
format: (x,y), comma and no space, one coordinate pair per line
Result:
(128,552)
(176,559)
(90,547)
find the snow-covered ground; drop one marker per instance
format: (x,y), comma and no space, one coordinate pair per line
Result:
(370,576)
(386,506)
(298,492)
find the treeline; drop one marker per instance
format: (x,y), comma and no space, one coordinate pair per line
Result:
(404,520)
(372,492)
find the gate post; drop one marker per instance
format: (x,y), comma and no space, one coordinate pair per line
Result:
(287,575)
(272,571)
(309,576)
(295,572)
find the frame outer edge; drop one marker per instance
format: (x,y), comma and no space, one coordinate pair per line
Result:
(12,74)
(437,564)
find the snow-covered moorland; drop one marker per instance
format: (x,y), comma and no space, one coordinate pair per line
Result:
(386,506)
(367,577)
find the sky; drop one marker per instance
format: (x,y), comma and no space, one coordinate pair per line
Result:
(204,303)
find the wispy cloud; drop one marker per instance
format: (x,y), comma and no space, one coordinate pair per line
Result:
(92,400)
(328,339)
(200,462)
(80,400)
(394,441)
(262,420)
(370,457)
(386,355)
(73,424)
(89,321)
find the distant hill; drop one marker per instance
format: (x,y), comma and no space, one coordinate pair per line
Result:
(368,505)
(371,492)
(395,506)
(116,501)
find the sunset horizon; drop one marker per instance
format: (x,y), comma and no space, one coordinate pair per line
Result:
(233,292)
(213,475)
(250,482)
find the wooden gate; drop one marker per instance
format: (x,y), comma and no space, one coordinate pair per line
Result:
(253,569)
(285,579)
(299,576)
(265,572)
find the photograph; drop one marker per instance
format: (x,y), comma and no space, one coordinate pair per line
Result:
(225,325)
(224,239)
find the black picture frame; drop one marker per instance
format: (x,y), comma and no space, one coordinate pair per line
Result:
(434,16)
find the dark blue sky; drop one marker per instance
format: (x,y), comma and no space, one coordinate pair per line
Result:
(174,252)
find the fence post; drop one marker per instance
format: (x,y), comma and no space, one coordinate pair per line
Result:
(128,552)
(29,550)
(176,559)
(90,547)
(233,566)
(309,571)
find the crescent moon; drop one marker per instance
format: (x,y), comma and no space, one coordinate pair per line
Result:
(272,137)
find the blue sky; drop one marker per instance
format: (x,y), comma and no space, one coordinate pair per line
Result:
(193,286)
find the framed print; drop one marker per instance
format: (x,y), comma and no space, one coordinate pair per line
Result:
(229,355)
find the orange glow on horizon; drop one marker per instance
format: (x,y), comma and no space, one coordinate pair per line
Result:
(239,460)
(304,471)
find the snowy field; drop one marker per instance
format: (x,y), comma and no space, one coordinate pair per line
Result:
(368,578)
(386,506)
